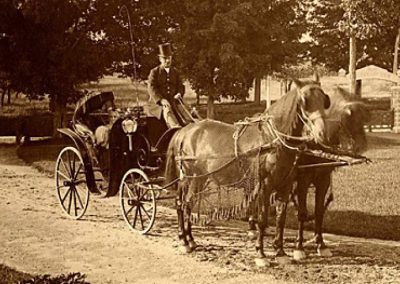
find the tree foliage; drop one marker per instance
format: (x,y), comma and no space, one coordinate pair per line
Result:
(151,22)
(224,45)
(374,24)
(49,47)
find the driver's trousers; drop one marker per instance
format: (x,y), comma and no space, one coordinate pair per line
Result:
(170,117)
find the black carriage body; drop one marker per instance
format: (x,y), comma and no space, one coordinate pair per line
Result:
(145,148)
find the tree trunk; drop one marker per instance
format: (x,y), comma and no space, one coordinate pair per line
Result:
(60,119)
(352,63)
(3,94)
(9,95)
(210,107)
(257,90)
(268,91)
(396,53)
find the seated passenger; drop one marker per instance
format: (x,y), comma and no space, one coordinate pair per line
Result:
(102,132)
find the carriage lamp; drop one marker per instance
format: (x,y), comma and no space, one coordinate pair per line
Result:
(129,126)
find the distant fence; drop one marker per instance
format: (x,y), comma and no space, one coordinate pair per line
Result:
(381,114)
(26,126)
(232,112)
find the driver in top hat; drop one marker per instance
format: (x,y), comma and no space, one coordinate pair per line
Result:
(165,87)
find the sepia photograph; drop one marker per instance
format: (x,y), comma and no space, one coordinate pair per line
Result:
(199,141)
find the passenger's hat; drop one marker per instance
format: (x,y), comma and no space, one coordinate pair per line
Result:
(165,50)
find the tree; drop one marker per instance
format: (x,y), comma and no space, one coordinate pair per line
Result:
(151,22)
(336,24)
(53,47)
(224,45)
(340,25)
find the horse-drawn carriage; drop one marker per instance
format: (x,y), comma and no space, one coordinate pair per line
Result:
(112,151)
(132,160)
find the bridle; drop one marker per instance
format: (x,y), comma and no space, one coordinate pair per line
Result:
(309,119)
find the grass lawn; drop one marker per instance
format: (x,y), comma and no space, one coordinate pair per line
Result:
(366,197)
(12,276)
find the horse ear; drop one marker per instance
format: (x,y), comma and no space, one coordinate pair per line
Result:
(347,111)
(297,82)
(316,78)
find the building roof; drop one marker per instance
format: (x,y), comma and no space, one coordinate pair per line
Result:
(375,72)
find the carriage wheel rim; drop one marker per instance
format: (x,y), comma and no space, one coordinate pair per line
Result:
(138,206)
(69,177)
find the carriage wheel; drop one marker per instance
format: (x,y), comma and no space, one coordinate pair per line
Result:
(138,204)
(70,178)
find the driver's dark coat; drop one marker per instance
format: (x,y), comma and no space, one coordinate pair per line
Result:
(163,85)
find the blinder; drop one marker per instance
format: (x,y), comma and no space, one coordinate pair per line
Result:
(327,101)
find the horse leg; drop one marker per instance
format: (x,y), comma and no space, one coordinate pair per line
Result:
(252,222)
(181,229)
(281,207)
(197,185)
(321,188)
(252,231)
(262,222)
(303,182)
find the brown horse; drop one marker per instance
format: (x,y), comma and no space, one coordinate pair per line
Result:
(345,120)
(207,151)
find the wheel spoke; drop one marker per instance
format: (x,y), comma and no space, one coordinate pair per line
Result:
(73,163)
(64,176)
(69,163)
(65,196)
(141,217)
(79,198)
(78,171)
(129,210)
(143,195)
(130,193)
(75,207)
(134,219)
(70,201)
(65,168)
(145,211)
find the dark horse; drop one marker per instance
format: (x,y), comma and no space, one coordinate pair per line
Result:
(207,151)
(345,120)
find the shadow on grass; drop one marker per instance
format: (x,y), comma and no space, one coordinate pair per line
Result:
(42,154)
(382,140)
(356,224)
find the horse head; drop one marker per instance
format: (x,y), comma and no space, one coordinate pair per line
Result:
(312,104)
(347,117)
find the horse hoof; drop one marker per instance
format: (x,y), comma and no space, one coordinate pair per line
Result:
(252,235)
(262,262)
(192,245)
(185,249)
(284,259)
(324,252)
(299,254)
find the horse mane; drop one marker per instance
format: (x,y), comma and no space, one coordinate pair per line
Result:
(284,112)
(340,99)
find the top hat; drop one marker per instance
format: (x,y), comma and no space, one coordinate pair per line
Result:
(165,50)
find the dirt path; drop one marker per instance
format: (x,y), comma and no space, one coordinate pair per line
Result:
(35,237)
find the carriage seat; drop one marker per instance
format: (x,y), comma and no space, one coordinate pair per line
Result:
(84,131)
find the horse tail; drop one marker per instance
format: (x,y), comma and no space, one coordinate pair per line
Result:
(171,172)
